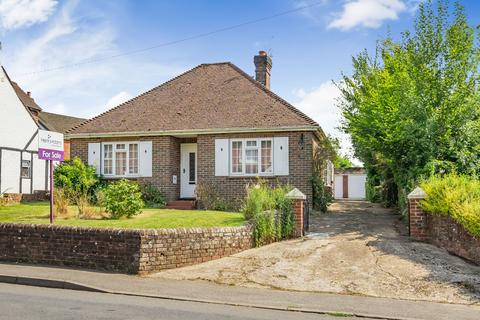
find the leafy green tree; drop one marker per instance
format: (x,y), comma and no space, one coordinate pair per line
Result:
(412,109)
(342,162)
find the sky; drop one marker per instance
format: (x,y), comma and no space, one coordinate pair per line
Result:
(83,57)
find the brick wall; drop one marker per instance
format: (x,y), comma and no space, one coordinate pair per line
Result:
(166,163)
(442,231)
(119,250)
(233,188)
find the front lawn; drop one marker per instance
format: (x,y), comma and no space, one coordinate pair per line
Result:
(38,212)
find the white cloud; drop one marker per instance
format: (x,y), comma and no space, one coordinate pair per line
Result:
(367,13)
(23,13)
(320,104)
(117,99)
(82,89)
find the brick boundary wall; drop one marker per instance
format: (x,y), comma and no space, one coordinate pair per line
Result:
(137,251)
(441,231)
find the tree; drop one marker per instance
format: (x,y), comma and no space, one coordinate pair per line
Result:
(342,162)
(412,108)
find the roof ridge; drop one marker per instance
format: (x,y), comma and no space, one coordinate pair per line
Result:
(274,95)
(134,98)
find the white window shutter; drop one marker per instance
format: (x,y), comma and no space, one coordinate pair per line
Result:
(94,156)
(280,156)
(145,158)
(221,157)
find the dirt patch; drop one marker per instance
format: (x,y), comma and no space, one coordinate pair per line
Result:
(355,249)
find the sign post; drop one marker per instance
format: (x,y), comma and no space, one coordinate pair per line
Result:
(50,148)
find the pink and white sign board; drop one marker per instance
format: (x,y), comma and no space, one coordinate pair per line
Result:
(50,145)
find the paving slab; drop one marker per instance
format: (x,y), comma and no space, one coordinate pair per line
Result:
(357,248)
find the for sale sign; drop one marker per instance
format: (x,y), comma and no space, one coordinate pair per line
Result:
(50,145)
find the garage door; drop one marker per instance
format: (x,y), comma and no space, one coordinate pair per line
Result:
(356,186)
(350,186)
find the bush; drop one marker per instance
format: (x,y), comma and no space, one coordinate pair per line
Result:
(75,178)
(270,212)
(123,198)
(152,197)
(321,196)
(456,196)
(209,198)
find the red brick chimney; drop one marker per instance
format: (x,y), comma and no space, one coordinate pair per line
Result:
(263,65)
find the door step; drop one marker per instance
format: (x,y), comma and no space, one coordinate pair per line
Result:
(182,205)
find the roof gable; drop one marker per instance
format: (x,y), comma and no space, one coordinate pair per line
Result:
(209,96)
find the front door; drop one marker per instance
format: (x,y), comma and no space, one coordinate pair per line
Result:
(188,170)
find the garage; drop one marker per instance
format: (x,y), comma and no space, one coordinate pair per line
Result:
(349,183)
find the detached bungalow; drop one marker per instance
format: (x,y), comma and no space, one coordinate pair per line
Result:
(21,172)
(213,125)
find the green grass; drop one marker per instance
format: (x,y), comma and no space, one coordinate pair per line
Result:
(38,212)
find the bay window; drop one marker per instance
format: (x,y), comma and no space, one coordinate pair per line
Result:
(120,159)
(251,157)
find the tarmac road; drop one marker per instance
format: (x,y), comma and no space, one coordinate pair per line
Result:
(25,302)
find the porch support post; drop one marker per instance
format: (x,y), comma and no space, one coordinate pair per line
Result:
(298,201)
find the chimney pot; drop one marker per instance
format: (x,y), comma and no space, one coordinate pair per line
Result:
(263,65)
(29,93)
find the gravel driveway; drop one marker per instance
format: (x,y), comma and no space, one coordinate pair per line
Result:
(357,248)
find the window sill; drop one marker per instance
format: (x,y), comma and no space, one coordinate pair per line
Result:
(121,177)
(270,176)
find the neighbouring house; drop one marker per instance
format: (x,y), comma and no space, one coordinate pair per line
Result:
(213,125)
(349,183)
(21,172)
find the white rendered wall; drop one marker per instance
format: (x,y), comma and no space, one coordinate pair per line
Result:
(16,124)
(10,171)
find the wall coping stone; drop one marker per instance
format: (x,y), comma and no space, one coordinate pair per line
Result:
(113,230)
(296,194)
(417,193)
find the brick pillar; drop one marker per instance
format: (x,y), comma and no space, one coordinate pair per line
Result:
(298,199)
(416,217)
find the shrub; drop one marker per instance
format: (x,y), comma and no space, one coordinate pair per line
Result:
(321,196)
(123,198)
(152,196)
(270,212)
(76,179)
(85,208)
(209,198)
(453,195)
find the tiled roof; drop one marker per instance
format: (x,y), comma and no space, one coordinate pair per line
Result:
(25,98)
(58,122)
(209,96)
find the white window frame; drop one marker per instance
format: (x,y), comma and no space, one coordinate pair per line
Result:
(244,157)
(114,155)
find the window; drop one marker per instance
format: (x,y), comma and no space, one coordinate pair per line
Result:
(120,159)
(191,165)
(252,157)
(108,159)
(26,169)
(266,157)
(133,158)
(237,163)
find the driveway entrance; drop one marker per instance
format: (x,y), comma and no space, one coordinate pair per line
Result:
(357,248)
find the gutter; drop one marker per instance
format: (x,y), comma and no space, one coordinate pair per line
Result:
(187,132)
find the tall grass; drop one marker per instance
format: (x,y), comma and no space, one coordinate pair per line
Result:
(270,212)
(453,195)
